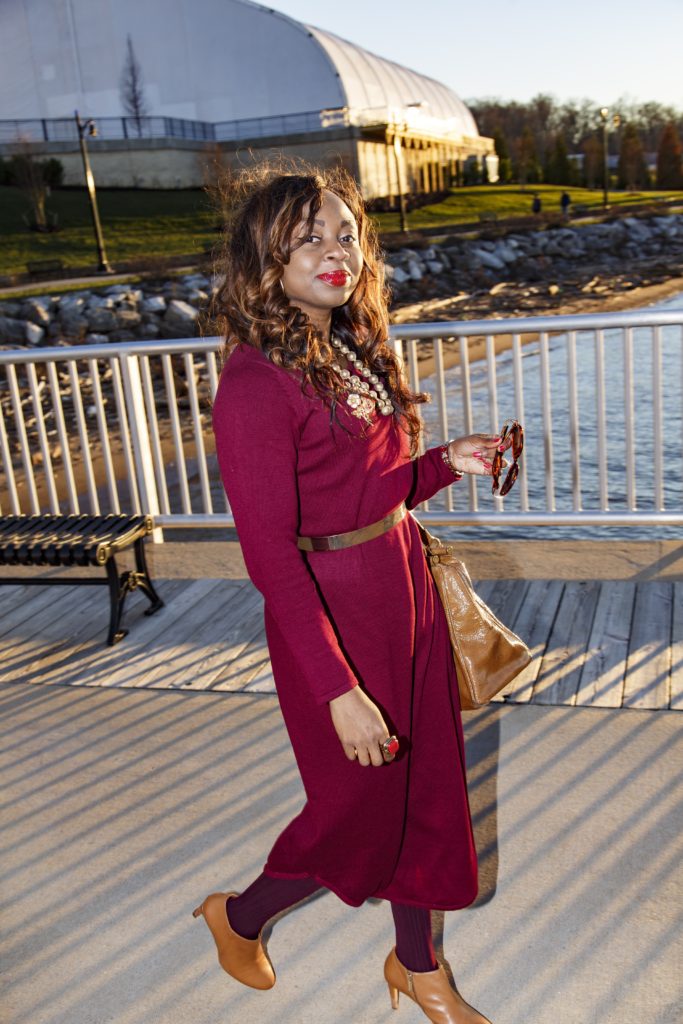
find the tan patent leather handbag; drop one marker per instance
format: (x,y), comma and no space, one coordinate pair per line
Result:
(487,654)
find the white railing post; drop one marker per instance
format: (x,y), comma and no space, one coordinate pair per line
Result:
(140,439)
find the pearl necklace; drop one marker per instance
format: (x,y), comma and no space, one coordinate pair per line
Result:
(363,395)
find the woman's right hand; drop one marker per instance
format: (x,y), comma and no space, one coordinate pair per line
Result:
(359,726)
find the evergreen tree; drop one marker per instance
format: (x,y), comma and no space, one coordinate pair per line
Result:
(528,168)
(503,154)
(557,169)
(670,159)
(632,167)
(592,162)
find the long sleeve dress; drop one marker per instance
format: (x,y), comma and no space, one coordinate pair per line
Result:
(366,615)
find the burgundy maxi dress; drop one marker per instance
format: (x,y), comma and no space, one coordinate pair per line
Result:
(366,615)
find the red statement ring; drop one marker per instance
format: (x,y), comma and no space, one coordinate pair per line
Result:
(390,748)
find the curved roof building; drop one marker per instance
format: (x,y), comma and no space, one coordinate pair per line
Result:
(220,62)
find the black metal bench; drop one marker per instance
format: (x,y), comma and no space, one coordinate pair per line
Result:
(44,268)
(81,540)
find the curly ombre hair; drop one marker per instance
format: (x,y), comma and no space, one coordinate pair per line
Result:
(267,206)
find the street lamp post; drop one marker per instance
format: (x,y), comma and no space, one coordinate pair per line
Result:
(402,213)
(89,128)
(616,120)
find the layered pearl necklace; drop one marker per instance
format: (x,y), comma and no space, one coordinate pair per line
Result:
(363,396)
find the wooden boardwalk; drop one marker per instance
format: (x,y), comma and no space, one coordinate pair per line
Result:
(597,643)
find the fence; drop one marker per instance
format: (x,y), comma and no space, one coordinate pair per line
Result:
(126,427)
(64,129)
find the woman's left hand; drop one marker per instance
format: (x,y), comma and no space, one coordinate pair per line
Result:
(474,453)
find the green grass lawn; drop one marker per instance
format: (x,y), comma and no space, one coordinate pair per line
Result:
(465,204)
(141,223)
(135,224)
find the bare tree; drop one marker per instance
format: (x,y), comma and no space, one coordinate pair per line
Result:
(132,87)
(29,176)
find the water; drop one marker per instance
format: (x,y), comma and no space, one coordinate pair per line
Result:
(533,458)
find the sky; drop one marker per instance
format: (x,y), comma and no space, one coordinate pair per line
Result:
(514,49)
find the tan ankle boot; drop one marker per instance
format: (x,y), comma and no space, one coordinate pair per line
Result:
(432,992)
(243,959)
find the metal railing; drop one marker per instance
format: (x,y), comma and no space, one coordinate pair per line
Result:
(63,129)
(126,427)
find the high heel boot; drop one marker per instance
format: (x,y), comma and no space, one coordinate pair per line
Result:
(243,959)
(432,992)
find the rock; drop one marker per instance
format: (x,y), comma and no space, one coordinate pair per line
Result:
(11,309)
(101,320)
(128,318)
(173,290)
(197,296)
(180,318)
(149,331)
(97,339)
(70,304)
(34,333)
(35,312)
(506,253)
(415,271)
(435,266)
(73,325)
(15,330)
(554,289)
(667,226)
(399,276)
(154,304)
(488,259)
(116,289)
(100,302)
(637,229)
(195,281)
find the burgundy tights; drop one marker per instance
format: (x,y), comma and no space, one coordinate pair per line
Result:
(268,896)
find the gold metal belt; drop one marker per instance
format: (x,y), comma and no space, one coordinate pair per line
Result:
(347,540)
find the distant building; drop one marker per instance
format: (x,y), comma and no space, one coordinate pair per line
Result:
(222,73)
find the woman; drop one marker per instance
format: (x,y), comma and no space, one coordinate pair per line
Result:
(316,435)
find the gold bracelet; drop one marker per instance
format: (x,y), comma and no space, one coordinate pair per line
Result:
(446,456)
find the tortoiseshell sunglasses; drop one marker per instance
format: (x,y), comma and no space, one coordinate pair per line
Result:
(516,431)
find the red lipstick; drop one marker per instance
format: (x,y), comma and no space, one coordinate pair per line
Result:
(337,278)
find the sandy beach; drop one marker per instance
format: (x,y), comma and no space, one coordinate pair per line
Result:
(463,308)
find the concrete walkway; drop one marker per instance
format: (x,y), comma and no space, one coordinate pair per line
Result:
(123,808)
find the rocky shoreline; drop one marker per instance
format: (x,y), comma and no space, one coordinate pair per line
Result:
(608,265)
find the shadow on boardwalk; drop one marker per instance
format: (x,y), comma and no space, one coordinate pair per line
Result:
(596,643)
(122,808)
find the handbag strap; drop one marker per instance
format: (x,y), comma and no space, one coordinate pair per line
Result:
(432,545)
